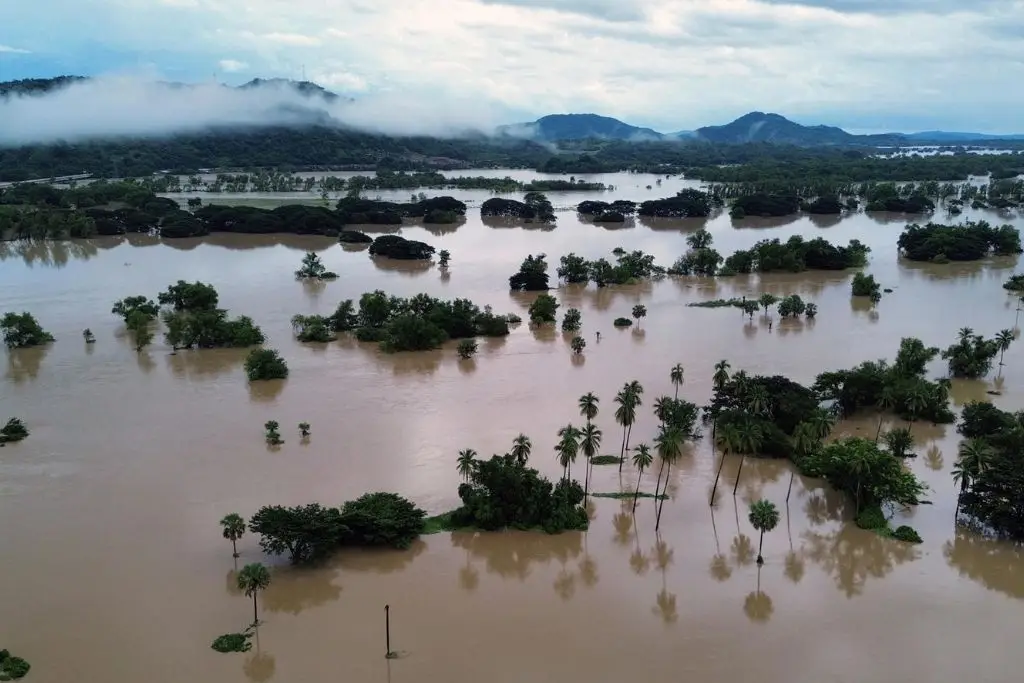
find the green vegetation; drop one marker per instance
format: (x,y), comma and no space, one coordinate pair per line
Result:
(990,470)
(900,387)
(605,460)
(535,207)
(313,328)
(88,336)
(14,430)
(622,322)
(865,285)
(503,493)
(354,237)
(532,275)
(12,668)
(629,267)
(796,255)
(136,306)
(444,257)
(265,364)
(1014,284)
(627,495)
(969,241)
(310,533)
(233,528)
(720,303)
(593,207)
(418,323)
(897,199)
(763,516)
(578,344)
(314,269)
(764,205)
(687,203)
(544,309)
(972,355)
(390,180)
(22,331)
(252,579)
(272,434)
(571,321)
(233,642)
(639,312)
(396,247)
(701,259)
(194,321)
(467,349)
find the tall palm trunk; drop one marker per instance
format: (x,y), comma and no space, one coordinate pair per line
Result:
(717,475)
(622,453)
(878,432)
(657,520)
(234,548)
(657,485)
(743,456)
(255,614)
(625,445)
(637,494)
(760,544)
(792,474)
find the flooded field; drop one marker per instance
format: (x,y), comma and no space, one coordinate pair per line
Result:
(114,568)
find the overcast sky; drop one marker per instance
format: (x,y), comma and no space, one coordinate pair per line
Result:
(865,65)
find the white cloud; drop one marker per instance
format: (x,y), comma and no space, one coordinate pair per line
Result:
(13,50)
(233,65)
(669,64)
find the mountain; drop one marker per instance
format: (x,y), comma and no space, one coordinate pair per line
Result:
(760,127)
(578,127)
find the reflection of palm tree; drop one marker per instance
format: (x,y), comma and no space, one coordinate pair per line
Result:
(665,604)
(469,577)
(742,550)
(565,584)
(992,563)
(816,509)
(794,570)
(623,523)
(933,458)
(853,555)
(758,606)
(260,667)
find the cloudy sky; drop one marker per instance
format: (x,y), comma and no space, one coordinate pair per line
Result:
(866,65)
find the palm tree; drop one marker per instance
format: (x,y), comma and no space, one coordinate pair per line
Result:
(591,446)
(804,442)
(252,579)
(466,463)
(821,423)
(974,457)
(669,443)
(917,401)
(965,334)
(662,408)
(234,528)
(721,376)
(758,401)
(521,448)
(886,401)
(1004,339)
(859,467)
(588,406)
(899,441)
(628,400)
(568,448)
(642,459)
(676,375)
(764,516)
(750,438)
(727,440)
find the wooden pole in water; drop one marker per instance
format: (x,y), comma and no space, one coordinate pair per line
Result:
(387,628)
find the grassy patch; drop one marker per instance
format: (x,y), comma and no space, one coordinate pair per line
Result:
(233,642)
(718,303)
(622,495)
(605,460)
(439,523)
(873,519)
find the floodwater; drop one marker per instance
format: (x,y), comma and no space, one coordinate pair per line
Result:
(114,568)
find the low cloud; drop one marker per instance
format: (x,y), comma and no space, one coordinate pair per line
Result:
(131,107)
(233,65)
(13,50)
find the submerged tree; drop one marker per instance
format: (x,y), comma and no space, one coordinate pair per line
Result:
(233,527)
(313,268)
(764,516)
(22,330)
(444,256)
(273,436)
(642,459)
(467,349)
(252,579)
(578,344)
(304,430)
(544,309)
(571,320)
(639,311)
(900,442)
(264,364)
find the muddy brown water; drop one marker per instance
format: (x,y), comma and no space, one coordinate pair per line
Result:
(113,564)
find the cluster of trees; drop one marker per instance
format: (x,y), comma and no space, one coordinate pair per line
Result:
(990,470)
(12,668)
(969,241)
(138,314)
(391,180)
(265,364)
(22,330)
(313,268)
(864,284)
(1014,284)
(397,247)
(765,205)
(687,203)
(794,255)
(310,533)
(972,355)
(418,323)
(354,210)
(900,387)
(535,207)
(14,430)
(629,267)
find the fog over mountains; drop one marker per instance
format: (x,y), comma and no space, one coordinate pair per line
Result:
(74,108)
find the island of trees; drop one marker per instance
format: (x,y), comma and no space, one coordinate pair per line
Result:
(968,241)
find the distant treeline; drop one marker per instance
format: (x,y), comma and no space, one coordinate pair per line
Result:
(44,212)
(325,148)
